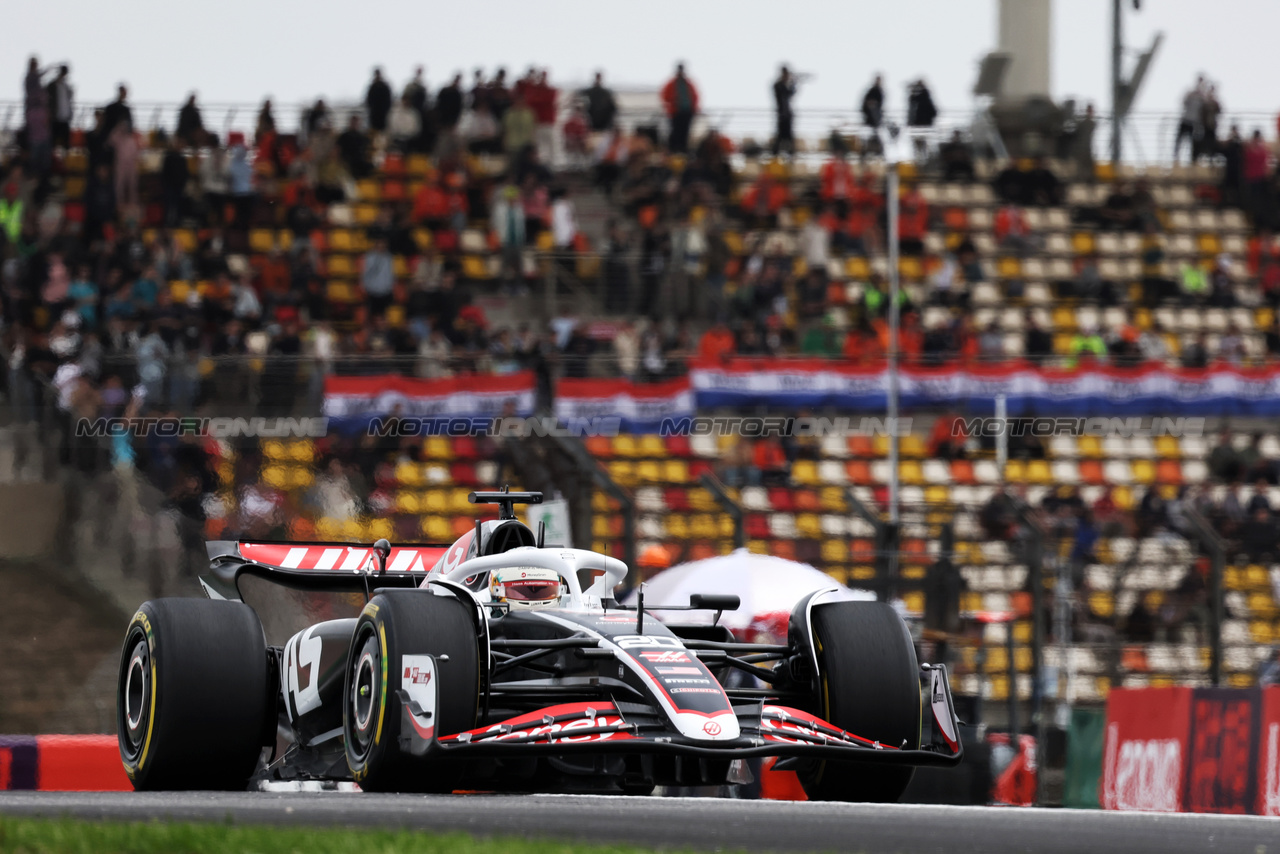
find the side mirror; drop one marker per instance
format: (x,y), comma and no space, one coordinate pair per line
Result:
(714,602)
(382,548)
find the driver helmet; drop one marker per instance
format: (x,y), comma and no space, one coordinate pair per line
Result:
(525,586)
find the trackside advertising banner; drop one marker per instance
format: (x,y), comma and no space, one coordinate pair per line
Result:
(1029,390)
(641,407)
(361,398)
(1206,750)
(1144,752)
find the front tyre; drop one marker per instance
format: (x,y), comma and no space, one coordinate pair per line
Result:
(396,623)
(192,698)
(869,685)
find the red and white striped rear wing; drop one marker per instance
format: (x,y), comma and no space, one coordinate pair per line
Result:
(329,557)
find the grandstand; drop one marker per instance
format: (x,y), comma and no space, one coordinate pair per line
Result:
(246,291)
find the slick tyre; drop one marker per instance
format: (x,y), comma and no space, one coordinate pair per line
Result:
(396,623)
(192,699)
(869,686)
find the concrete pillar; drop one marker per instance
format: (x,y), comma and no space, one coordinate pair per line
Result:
(1025,27)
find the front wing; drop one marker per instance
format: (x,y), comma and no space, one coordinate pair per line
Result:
(608,726)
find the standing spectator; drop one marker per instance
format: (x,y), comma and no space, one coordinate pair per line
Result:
(542,98)
(506,217)
(957,159)
(240,181)
(128,148)
(449,105)
(117,111)
(602,108)
(266,123)
(354,148)
(784,89)
(377,100)
(873,106)
(564,223)
(1210,111)
(415,91)
(1082,143)
(1231,189)
(173,179)
(419,98)
(1254,173)
(61,107)
(518,126)
(499,94)
(36,115)
(1189,128)
(190,130)
(377,277)
(680,99)
(921,111)
(404,124)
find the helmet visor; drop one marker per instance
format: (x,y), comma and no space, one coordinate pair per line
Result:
(531,589)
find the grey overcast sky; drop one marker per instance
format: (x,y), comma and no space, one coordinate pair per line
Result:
(241,50)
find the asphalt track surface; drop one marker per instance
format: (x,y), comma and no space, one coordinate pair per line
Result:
(696,823)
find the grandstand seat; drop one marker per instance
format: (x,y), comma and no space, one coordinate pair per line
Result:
(781,499)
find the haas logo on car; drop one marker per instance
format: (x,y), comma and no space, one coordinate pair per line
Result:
(417,676)
(711,728)
(665,657)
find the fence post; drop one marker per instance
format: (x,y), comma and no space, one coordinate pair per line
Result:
(1217,551)
(731,507)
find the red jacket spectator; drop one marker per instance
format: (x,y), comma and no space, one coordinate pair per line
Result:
(1255,159)
(837,179)
(431,203)
(717,344)
(1010,220)
(669,100)
(913,216)
(541,97)
(768,193)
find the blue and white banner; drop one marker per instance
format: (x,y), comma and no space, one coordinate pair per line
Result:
(1029,390)
(642,407)
(356,401)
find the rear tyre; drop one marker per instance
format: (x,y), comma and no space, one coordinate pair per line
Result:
(192,699)
(397,623)
(870,686)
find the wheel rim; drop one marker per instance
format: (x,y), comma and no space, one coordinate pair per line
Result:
(362,700)
(135,696)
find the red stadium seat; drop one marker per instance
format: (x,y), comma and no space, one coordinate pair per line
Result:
(463,474)
(676,499)
(782,499)
(757,526)
(678,446)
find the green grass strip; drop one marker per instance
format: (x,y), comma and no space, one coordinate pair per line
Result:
(69,836)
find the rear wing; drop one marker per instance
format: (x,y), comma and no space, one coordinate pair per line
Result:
(293,585)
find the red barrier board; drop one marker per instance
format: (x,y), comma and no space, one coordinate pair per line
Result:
(80,763)
(1269,753)
(1144,755)
(1221,764)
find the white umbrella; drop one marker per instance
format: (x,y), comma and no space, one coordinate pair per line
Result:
(765,584)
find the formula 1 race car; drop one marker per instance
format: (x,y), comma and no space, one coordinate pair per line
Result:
(507,665)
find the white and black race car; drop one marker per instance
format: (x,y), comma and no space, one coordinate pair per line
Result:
(500,664)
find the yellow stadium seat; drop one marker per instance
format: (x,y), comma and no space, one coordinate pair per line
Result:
(341,240)
(856,268)
(545,242)
(328,529)
(831,498)
(678,526)
(1090,447)
(622,472)
(724,527)
(1009,268)
(702,526)
(650,445)
(649,471)
(912,446)
(675,471)
(1144,471)
(834,551)
(408,473)
(262,240)
(1167,448)
(475,267)
(437,448)
(910,472)
(1015,471)
(435,501)
(1082,243)
(936,495)
(274,449)
(342,266)
(275,476)
(1101,603)
(1123,497)
(407,502)
(805,473)
(301,477)
(809,526)
(366,214)
(1038,472)
(437,529)
(368,190)
(417,165)
(624,445)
